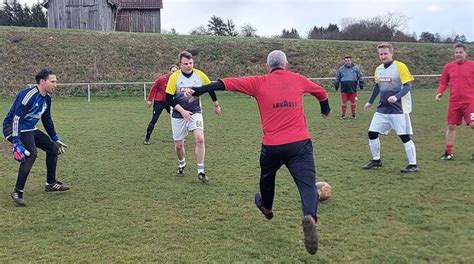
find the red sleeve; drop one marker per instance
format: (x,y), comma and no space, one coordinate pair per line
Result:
(154,90)
(314,89)
(246,85)
(443,80)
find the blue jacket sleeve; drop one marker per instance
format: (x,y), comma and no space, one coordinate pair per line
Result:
(48,121)
(18,118)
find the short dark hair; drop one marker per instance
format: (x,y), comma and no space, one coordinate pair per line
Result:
(184,54)
(460,45)
(43,75)
(347,57)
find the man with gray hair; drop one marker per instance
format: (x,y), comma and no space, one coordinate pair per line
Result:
(286,139)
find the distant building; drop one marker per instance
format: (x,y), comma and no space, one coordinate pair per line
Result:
(105,15)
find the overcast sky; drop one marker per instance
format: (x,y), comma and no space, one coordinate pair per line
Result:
(270,17)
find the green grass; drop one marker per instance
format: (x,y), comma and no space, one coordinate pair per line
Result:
(126,204)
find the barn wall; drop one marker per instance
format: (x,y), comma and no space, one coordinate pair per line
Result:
(139,21)
(80,14)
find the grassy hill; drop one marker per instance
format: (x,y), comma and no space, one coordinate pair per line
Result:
(88,56)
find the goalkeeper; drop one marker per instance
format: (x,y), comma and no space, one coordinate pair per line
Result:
(286,138)
(19,127)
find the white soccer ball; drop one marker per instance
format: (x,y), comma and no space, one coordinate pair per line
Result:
(324,191)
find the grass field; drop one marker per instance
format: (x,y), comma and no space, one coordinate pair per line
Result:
(126,204)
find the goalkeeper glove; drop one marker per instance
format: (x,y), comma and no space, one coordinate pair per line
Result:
(19,152)
(61,146)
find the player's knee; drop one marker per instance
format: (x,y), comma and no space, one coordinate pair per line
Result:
(179,144)
(451,127)
(373,135)
(471,125)
(199,140)
(405,138)
(54,150)
(33,154)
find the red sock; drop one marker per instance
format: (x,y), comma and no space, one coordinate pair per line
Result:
(343,109)
(449,149)
(353,109)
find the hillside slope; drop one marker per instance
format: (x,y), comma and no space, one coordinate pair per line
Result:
(88,56)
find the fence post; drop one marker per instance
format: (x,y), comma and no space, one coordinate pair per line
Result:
(144,91)
(89,93)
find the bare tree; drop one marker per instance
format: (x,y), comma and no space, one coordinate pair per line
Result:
(199,31)
(248,30)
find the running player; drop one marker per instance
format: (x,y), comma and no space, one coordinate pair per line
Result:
(187,116)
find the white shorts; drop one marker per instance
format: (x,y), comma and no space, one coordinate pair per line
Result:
(383,123)
(181,127)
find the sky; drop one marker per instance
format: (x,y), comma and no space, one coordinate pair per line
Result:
(270,17)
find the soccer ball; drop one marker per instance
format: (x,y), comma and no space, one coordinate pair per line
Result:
(324,191)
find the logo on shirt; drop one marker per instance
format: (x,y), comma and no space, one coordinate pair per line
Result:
(284,104)
(385,79)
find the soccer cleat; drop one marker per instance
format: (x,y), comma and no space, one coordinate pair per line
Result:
(447,156)
(342,117)
(180,171)
(310,234)
(146,142)
(353,117)
(202,177)
(373,164)
(259,203)
(409,168)
(56,187)
(17,197)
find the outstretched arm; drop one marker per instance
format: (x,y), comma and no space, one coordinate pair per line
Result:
(209,88)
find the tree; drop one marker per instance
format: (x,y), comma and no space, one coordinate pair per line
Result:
(461,38)
(199,31)
(216,26)
(292,33)
(248,30)
(230,28)
(38,17)
(427,37)
(331,32)
(13,14)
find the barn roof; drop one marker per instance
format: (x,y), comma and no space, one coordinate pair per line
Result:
(128,4)
(139,4)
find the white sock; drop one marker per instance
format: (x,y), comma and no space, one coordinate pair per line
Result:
(200,167)
(182,163)
(374,145)
(411,152)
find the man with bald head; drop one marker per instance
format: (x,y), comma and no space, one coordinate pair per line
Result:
(286,139)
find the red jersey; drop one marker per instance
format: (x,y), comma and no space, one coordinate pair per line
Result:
(279,96)
(460,77)
(158,89)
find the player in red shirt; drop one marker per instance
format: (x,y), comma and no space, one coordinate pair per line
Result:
(459,75)
(157,97)
(286,139)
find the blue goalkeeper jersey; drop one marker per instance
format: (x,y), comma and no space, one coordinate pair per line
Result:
(27,109)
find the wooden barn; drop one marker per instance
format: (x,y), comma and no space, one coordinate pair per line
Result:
(105,15)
